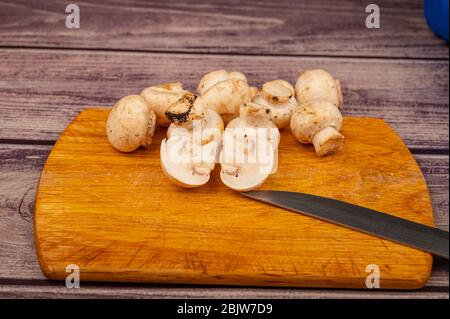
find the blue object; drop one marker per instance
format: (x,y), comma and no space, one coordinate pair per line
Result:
(436,14)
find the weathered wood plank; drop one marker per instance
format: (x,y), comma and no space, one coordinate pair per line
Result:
(435,171)
(20,167)
(41,91)
(91,290)
(284,27)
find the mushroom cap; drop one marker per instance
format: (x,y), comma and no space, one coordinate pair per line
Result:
(243,170)
(240,173)
(226,97)
(247,178)
(279,96)
(318,84)
(211,78)
(160,97)
(255,115)
(225,92)
(311,117)
(182,174)
(131,123)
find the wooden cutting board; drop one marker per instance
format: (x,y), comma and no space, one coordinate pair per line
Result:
(119,218)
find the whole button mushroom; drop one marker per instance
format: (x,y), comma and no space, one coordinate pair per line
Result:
(160,97)
(224,92)
(279,97)
(318,122)
(318,84)
(131,124)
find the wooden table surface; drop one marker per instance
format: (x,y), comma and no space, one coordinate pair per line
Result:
(48,73)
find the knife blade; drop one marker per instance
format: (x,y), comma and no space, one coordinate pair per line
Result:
(366,220)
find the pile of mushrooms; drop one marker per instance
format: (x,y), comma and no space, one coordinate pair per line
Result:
(248,148)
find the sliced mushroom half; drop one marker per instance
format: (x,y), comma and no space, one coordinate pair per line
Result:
(250,149)
(189,153)
(179,163)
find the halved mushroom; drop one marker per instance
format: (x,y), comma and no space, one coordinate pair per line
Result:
(189,153)
(131,123)
(187,165)
(279,96)
(250,148)
(318,122)
(160,97)
(224,92)
(318,84)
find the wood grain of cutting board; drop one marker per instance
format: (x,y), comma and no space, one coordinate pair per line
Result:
(118,217)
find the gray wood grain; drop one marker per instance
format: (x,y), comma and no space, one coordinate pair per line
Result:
(41,91)
(283,27)
(90,290)
(20,275)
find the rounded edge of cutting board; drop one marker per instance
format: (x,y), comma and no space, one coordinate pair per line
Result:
(46,269)
(420,282)
(52,273)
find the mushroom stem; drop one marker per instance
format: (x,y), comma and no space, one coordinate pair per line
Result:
(327,140)
(230,170)
(202,169)
(279,97)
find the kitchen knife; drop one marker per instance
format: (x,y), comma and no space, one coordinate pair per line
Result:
(363,219)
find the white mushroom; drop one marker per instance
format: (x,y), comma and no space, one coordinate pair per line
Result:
(224,92)
(131,123)
(160,97)
(184,164)
(189,153)
(211,78)
(318,84)
(318,122)
(250,148)
(279,96)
